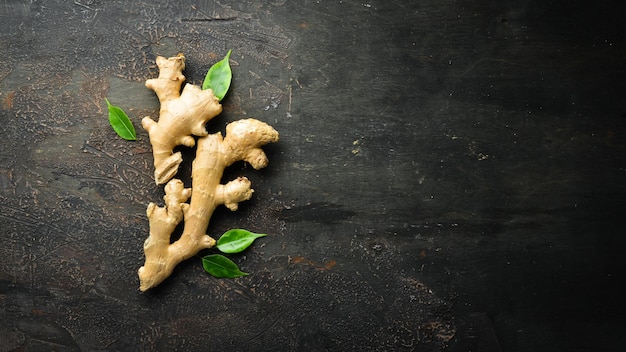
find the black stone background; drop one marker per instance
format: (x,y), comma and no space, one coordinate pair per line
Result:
(451,175)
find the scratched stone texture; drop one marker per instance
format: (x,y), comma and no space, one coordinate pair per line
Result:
(451,176)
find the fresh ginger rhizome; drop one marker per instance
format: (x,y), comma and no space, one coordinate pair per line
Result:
(182,119)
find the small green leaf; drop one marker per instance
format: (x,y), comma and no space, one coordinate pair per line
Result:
(236,240)
(120,122)
(218,78)
(220,266)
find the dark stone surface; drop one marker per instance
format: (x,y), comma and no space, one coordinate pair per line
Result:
(451,175)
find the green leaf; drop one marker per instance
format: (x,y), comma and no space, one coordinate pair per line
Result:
(218,78)
(120,122)
(220,266)
(236,240)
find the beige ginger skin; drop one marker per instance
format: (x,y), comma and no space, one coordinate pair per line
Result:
(181,117)
(243,141)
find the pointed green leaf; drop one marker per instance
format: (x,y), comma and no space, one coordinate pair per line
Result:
(236,240)
(220,266)
(218,78)
(120,122)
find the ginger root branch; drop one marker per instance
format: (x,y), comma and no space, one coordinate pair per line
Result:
(181,116)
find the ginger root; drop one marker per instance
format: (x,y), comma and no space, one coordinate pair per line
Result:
(181,117)
(243,141)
